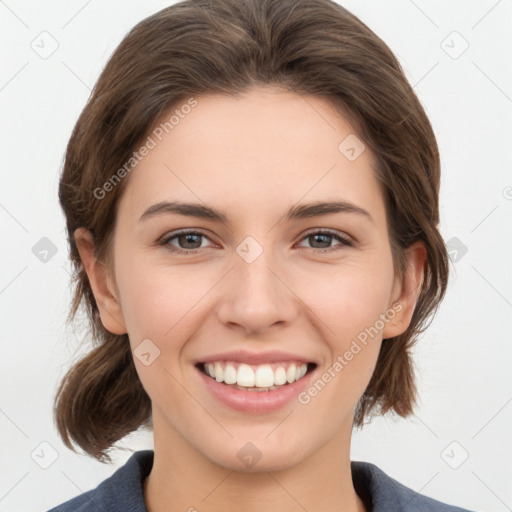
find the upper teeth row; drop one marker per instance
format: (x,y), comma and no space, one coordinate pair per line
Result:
(263,377)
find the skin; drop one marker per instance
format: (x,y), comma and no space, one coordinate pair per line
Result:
(253,157)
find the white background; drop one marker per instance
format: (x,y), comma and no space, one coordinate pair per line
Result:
(463,360)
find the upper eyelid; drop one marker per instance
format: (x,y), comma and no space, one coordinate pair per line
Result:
(185,231)
(345,238)
(328,231)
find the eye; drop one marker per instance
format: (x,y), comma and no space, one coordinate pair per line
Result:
(325,237)
(189,241)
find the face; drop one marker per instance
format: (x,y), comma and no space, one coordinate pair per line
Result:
(257,291)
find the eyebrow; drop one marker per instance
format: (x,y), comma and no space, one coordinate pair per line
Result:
(302,211)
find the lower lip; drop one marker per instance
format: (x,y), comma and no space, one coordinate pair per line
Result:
(256,402)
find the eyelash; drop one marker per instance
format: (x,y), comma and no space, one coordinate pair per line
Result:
(165,241)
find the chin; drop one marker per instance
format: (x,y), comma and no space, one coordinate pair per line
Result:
(257,456)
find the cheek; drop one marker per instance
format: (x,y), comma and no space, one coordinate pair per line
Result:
(348,300)
(347,305)
(158,300)
(347,312)
(162,305)
(342,299)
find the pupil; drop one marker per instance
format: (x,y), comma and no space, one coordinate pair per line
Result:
(326,239)
(189,238)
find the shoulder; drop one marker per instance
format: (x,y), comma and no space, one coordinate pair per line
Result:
(382,493)
(121,491)
(82,503)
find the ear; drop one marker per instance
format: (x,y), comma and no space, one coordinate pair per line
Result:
(101,283)
(406,291)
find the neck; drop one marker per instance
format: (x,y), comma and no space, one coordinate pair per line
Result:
(183,479)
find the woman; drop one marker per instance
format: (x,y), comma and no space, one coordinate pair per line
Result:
(251,197)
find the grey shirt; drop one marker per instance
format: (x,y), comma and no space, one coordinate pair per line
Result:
(123,491)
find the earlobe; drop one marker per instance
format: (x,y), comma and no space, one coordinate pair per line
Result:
(408,291)
(106,299)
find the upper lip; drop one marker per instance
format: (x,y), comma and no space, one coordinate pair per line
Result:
(243,356)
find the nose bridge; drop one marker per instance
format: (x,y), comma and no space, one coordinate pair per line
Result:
(256,276)
(257,296)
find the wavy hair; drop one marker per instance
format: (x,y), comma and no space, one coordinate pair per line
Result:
(199,47)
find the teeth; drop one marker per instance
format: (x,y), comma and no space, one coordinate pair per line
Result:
(256,378)
(219,373)
(245,376)
(230,375)
(280,376)
(291,373)
(264,377)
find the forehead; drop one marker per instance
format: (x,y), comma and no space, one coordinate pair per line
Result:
(261,150)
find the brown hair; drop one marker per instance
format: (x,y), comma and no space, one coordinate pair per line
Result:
(199,47)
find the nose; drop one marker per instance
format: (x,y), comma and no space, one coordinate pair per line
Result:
(255,296)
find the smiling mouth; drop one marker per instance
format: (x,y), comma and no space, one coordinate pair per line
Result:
(262,377)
